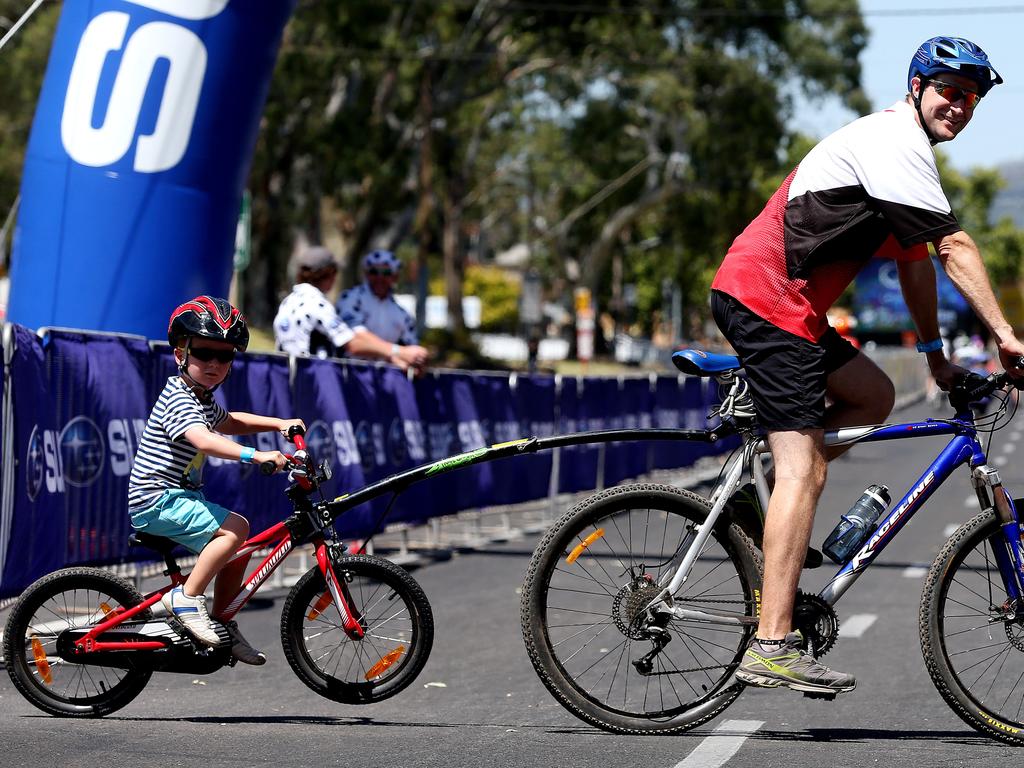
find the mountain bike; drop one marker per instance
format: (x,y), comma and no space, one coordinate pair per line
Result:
(639,603)
(82,642)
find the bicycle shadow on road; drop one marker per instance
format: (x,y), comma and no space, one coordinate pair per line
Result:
(344,721)
(965,737)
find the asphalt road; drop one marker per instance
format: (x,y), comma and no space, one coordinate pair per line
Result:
(478,701)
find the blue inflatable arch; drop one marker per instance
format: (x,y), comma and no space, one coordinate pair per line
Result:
(138,157)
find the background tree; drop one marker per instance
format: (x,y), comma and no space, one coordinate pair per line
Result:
(22,65)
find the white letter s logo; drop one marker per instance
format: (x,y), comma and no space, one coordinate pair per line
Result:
(107,144)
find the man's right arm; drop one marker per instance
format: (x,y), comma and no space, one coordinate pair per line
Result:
(368,344)
(961,260)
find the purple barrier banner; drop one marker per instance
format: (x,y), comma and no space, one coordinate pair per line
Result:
(320,401)
(80,402)
(578,470)
(453,425)
(406,444)
(382,406)
(631,459)
(80,405)
(500,422)
(673,397)
(535,403)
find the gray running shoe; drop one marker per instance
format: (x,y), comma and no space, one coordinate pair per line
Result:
(745,510)
(789,665)
(240,647)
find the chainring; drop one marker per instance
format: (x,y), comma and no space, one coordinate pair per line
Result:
(817,622)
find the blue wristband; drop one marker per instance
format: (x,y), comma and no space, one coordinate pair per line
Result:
(248,455)
(929,346)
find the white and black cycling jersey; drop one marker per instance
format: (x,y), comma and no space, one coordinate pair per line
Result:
(871,178)
(307,324)
(165,460)
(359,307)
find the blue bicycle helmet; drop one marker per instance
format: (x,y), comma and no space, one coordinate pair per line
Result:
(956,55)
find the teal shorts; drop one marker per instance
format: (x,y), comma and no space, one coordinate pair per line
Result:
(182,516)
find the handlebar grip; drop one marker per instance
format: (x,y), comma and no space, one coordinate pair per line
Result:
(268,468)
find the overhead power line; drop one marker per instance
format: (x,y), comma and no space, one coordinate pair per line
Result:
(711,13)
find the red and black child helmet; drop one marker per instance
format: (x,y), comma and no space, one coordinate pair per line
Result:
(209,318)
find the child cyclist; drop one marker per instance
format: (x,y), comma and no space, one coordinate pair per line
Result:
(185,425)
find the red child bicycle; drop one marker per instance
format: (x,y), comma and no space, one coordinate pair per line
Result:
(82,642)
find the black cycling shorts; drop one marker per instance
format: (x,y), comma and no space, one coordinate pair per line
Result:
(787,373)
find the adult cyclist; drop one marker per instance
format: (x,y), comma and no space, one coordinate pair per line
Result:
(872,187)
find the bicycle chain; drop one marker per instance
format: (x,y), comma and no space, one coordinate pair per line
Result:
(684,671)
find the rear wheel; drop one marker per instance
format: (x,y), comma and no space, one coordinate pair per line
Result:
(63,601)
(396,619)
(972,635)
(584,621)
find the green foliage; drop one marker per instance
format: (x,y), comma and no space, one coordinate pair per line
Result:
(22,64)
(498,293)
(971,196)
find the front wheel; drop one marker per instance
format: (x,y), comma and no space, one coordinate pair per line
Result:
(396,619)
(972,635)
(58,604)
(585,621)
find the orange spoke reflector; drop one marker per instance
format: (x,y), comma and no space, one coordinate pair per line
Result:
(42,665)
(386,661)
(318,607)
(581,547)
(105,607)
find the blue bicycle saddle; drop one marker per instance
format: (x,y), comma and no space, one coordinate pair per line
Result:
(696,362)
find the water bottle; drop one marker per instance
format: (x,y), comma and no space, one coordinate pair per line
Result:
(857,524)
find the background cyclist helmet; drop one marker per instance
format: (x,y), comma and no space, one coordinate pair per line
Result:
(382,260)
(951,55)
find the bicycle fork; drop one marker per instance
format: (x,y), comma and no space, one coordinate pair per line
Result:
(1010,556)
(338,593)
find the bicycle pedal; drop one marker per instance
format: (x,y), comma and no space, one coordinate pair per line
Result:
(820,695)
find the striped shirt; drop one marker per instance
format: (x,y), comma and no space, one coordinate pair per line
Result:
(165,459)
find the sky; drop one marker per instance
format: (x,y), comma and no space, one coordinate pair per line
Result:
(898,27)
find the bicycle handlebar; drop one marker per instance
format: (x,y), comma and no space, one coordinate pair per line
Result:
(974,387)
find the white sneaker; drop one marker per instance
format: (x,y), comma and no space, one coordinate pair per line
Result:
(192,613)
(240,647)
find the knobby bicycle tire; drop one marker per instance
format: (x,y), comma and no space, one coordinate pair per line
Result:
(973,651)
(69,599)
(582,610)
(396,618)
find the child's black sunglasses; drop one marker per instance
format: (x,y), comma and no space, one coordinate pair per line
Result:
(206,354)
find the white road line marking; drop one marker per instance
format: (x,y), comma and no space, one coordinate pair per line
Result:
(857,625)
(950,529)
(1001,461)
(915,572)
(724,742)
(970,501)
(1009,447)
